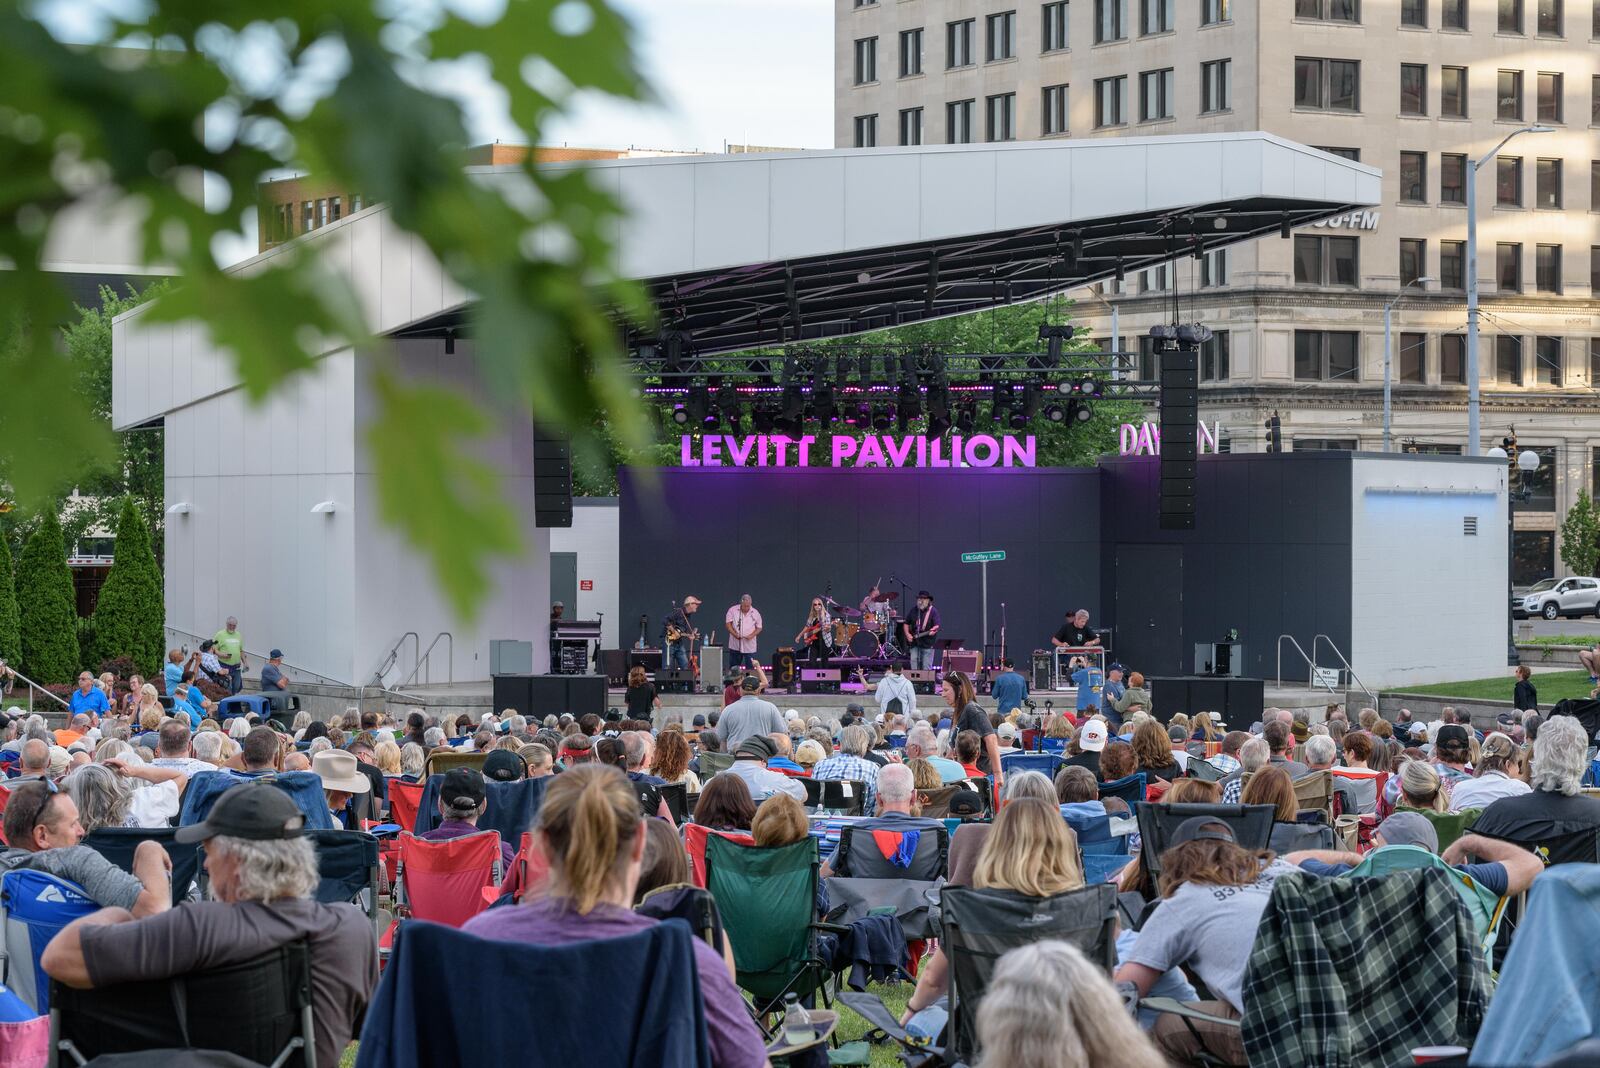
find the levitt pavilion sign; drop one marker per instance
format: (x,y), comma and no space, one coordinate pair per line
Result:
(873,450)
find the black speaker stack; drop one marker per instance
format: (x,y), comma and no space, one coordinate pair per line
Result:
(552,479)
(1178,349)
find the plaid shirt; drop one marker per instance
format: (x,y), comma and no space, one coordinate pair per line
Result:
(1231,791)
(1400,948)
(1224,763)
(846,766)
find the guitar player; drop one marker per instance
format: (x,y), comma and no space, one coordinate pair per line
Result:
(921,630)
(816,637)
(681,633)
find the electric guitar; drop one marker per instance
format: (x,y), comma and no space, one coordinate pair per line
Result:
(810,633)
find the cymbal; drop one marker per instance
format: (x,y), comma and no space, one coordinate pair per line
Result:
(891,596)
(848,613)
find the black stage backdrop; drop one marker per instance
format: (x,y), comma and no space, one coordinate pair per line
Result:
(783,535)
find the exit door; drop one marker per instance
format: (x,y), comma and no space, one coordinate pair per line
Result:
(564,582)
(1149,636)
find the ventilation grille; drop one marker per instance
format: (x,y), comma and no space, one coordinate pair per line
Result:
(1469,525)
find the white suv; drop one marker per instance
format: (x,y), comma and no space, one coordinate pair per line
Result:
(1554,598)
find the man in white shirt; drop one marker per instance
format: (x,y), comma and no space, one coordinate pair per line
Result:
(744,627)
(895,685)
(174,750)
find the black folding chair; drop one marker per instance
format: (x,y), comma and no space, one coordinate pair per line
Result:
(347,861)
(1204,770)
(846,796)
(1251,826)
(196,1011)
(676,795)
(813,792)
(117,844)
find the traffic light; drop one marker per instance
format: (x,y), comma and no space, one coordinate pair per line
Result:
(1274,433)
(1509,444)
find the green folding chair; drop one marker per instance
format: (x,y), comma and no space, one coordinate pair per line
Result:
(768,901)
(1485,908)
(1450,825)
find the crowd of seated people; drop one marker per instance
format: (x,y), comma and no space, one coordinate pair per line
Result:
(1494,806)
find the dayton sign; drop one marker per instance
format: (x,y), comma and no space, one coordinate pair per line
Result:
(1144,439)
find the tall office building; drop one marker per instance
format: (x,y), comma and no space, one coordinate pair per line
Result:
(1417,88)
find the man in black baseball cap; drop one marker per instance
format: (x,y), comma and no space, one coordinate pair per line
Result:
(263,873)
(463,798)
(502,765)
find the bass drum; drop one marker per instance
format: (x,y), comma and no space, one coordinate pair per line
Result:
(865,645)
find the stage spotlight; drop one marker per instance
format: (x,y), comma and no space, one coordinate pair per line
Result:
(1000,405)
(1089,386)
(672,347)
(966,421)
(938,425)
(883,417)
(680,416)
(1079,412)
(728,402)
(1055,413)
(822,393)
(697,405)
(763,419)
(909,403)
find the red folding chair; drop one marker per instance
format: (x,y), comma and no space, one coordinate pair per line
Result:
(404,799)
(444,881)
(694,843)
(529,870)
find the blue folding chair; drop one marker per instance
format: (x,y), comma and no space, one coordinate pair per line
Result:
(1129,788)
(1011,763)
(36,906)
(1052,745)
(243,704)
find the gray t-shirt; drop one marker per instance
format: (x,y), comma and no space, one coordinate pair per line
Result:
(198,936)
(748,716)
(105,883)
(1211,929)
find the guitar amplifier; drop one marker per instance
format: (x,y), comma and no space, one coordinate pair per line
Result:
(783,668)
(711,668)
(675,680)
(965,660)
(819,680)
(922,680)
(649,659)
(1043,668)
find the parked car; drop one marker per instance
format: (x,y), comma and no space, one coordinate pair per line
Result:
(1554,598)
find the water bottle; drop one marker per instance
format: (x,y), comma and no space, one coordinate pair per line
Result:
(797,1027)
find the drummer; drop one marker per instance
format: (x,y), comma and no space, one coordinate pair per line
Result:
(877,609)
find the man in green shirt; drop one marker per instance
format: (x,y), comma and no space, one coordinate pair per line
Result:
(230,653)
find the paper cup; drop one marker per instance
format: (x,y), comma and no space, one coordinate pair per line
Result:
(1429,1054)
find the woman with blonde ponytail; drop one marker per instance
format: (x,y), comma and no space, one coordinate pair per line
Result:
(590,831)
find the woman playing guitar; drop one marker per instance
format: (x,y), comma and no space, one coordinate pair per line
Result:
(816,637)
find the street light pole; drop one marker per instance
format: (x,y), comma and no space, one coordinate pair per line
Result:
(1472,282)
(1527,464)
(1387,350)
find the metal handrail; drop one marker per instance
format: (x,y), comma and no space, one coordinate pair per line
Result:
(32,686)
(1311,665)
(1353,676)
(393,655)
(427,658)
(263,658)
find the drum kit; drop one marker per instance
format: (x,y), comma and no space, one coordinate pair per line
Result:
(868,635)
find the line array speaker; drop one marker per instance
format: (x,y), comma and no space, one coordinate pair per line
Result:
(552,479)
(1180,414)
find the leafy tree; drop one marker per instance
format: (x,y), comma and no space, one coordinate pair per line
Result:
(363,96)
(10,621)
(1580,536)
(49,609)
(129,617)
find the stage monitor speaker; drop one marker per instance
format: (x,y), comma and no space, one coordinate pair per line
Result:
(783,668)
(1247,700)
(1206,694)
(1180,407)
(537,696)
(1043,666)
(649,659)
(922,680)
(614,666)
(711,670)
(819,680)
(675,680)
(965,660)
(552,479)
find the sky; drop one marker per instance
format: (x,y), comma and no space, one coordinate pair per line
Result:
(743,71)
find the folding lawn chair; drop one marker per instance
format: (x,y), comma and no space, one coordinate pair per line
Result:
(347,861)
(1251,826)
(444,881)
(1129,788)
(117,844)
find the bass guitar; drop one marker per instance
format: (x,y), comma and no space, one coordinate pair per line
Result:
(810,633)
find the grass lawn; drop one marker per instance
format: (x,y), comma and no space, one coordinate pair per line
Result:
(850,1026)
(1552,687)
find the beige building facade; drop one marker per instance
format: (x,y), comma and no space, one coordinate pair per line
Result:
(1416,88)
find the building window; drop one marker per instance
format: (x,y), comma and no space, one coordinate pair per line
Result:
(866,131)
(1452,178)
(1214,269)
(911,126)
(1351,154)
(866,60)
(1109,21)
(1549,104)
(1155,279)
(1594,182)
(1157,16)
(1533,554)
(1054,33)
(958,44)
(1594,28)
(1594,94)
(1550,19)
(1002,117)
(1509,94)
(1413,259)
(1508,181)
(1547,360)
(1453,14)
(1328,10)
(1214,358)
(1508,267)
(1594,273)
(1507,360)
(1547,268)
(958,121)
(1155,95)
(1054,110)
(1000,36)
(1325,261)
(1594,379)
(1414,177)
(1213,12)
(866,3)
(1325,356)
(910,52)
(1453,359)
(1541,485)
(356,203)
(1325,444)
(1510,16)
(1452,264)
(1216,85)
(1413,89)
(1453,92)
(1111,101)
(1414,13)
(1327,84)
(1547,183)
(1413,357)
